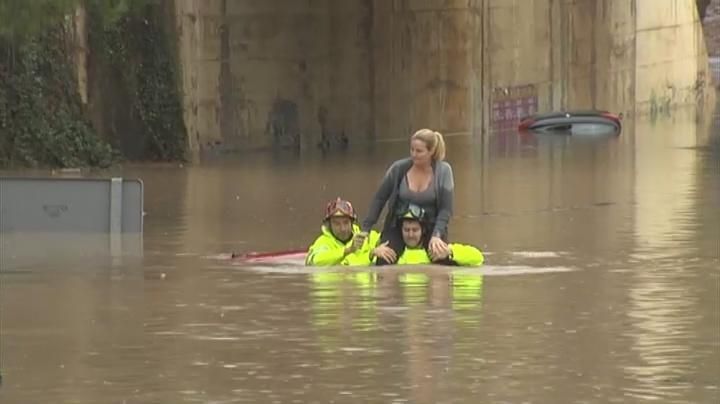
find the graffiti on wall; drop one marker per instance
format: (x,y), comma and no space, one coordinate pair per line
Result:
(510,104)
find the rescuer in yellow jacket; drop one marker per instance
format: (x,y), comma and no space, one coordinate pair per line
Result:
(413,235)
(341,241)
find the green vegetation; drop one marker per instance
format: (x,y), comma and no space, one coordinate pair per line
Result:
(42,119)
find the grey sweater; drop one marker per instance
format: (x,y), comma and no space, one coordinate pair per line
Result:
(443,182)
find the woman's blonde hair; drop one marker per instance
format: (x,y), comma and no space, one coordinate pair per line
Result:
(434,142)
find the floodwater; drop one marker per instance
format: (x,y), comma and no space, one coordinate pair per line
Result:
(601,284)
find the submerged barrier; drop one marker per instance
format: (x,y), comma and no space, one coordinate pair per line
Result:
(41,217)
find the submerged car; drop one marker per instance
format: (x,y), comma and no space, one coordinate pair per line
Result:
(581,122)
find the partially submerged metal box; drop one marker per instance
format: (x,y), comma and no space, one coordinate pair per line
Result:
(70,221)
(95,205)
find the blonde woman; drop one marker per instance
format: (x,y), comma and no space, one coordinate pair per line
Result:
(424,179)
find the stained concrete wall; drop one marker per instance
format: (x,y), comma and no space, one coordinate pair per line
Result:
(254,72)
(671,63)
(621,55)
(597,54)
(711,24)
(348,101)
(423,65)
(292,73)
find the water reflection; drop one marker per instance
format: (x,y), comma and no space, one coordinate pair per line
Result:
(609,293)
(426,308)
(663,296)
(81,250)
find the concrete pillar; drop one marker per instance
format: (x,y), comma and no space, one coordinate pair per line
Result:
(292,73)
(81,51)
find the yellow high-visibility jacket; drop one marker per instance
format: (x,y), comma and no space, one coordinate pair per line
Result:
(327,250)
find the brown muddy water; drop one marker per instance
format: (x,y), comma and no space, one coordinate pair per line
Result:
(601,284)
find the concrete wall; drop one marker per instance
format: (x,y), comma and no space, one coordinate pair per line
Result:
(423,65)
(620,55)
(348,106)
(711,24)
(254,72)
(600,54)
(671,60)
(292,73)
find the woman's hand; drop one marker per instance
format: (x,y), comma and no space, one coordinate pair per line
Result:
(438,249)
(385,252)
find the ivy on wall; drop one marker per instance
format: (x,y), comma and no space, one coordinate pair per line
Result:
(140,48)
(42,120)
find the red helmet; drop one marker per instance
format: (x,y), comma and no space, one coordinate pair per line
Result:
(340,207)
